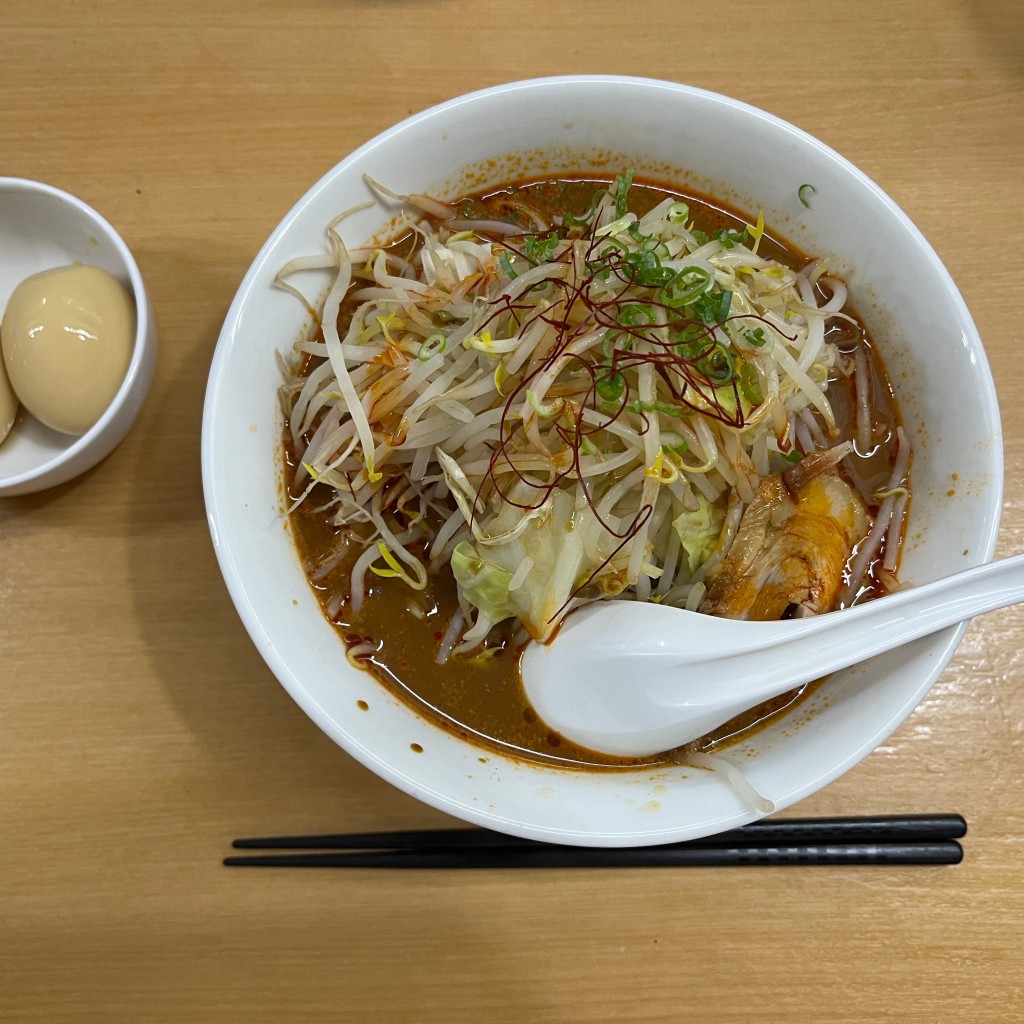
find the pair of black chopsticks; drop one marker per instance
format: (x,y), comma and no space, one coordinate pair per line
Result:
(913,839)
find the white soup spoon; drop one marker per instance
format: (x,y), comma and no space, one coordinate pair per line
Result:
(632,679)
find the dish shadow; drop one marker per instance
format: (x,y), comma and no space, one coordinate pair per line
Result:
(260,749)
(14,506)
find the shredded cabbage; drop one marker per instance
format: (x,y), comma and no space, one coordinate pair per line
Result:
(699,531)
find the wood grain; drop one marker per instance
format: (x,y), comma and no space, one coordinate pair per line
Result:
(139,729)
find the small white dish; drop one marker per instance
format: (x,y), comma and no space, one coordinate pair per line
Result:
(42,227)
(713,144)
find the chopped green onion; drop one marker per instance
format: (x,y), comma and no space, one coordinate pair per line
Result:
(718,365)
(804,193)
(691,340)
(699,237)
(713,308)
(610,387)
(730,239)
(432,346)
(623,182)
(631,314)
(616,340)
(540,250)
(506,265)
(569,221)
(756,337)
(647,268)
(678,213)
(793,456)
(685,287)
(646,241)
(613,247)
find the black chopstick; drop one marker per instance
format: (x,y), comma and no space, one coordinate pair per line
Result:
(543,856)
(885,829)
(907,839)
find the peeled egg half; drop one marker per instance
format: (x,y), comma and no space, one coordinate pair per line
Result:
(67,338)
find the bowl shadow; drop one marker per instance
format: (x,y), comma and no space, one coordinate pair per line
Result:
(277,770)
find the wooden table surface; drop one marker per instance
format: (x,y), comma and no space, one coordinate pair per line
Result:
(140,730)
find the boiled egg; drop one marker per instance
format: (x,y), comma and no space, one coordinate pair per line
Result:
(8,404)
(67,338)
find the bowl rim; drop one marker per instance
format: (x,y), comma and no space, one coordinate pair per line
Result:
(135,374)
(369,758)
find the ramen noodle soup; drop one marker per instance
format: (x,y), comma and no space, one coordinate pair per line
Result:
(566,391)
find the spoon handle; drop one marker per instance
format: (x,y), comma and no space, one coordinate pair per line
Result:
(866,630)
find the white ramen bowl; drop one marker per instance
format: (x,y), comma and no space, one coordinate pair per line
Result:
(691,138)
(42,227)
